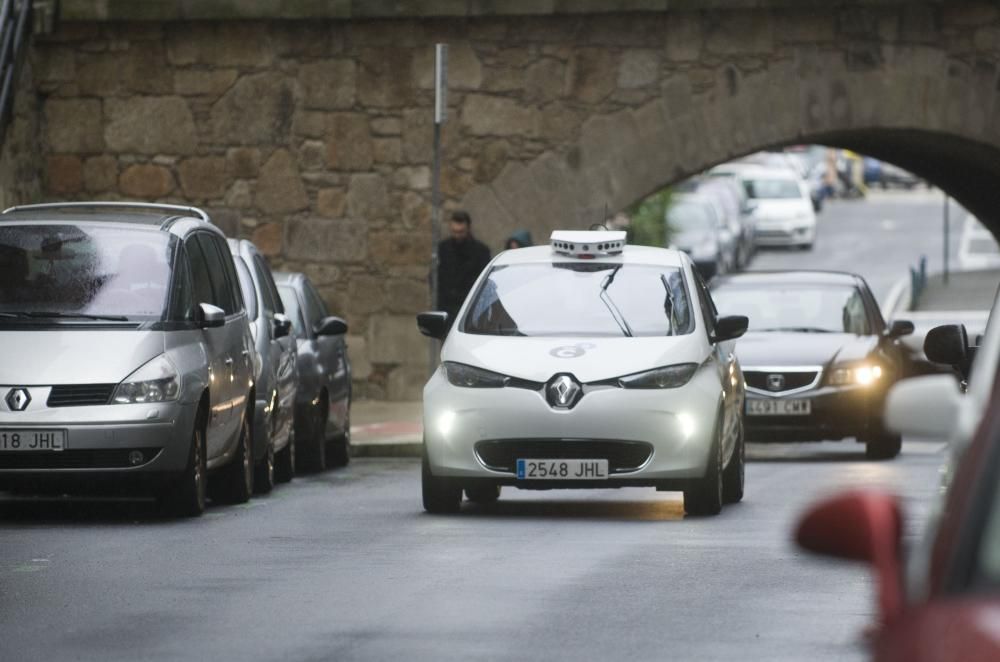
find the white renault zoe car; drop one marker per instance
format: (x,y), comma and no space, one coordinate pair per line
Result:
(585,364)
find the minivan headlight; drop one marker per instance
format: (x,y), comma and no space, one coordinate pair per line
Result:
(671,376)
(156,381)
(468,376)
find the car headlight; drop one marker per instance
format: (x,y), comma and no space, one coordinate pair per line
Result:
(467,376)
(156,381)
(671,376)
(862,374)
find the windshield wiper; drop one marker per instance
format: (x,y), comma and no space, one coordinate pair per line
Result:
(45,314)
(612,308)
(798,329)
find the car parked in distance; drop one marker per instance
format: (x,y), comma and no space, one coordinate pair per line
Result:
(323,402)
(127,361)
(696,224)
(783,207)
(818,357)
(275,368)
(736,207)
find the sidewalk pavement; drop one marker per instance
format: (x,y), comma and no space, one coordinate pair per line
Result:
(386,429)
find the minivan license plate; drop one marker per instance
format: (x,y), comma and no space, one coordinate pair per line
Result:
(562,469)
(778,407)
(32,440)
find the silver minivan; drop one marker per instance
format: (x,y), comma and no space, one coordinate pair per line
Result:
(126,359)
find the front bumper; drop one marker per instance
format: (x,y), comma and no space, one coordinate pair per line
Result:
(779,236)
(836,412)
(676,425)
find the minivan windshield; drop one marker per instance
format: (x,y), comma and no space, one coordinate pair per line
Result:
(690,217)
(581,299)
(83,272)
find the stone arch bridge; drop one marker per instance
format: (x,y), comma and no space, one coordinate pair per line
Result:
(306,125)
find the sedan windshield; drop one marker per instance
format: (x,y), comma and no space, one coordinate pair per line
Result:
(574,299)
(67,271)
(812,308)
(772,188)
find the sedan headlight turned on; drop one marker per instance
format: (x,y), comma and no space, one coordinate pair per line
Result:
(585,364)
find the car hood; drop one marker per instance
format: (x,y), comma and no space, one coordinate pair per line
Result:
(75,356)
(587,359)
(772,349)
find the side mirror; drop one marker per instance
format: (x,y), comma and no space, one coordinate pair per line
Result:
(861,526)
(208,316)
(948,344)
(899,328)
(730,327)
(750,207)
(331,326)
(282,325)
(923,406)
(433,324)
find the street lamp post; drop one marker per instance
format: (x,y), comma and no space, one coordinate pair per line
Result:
(440,115)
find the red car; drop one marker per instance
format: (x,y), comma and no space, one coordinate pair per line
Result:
(945,604)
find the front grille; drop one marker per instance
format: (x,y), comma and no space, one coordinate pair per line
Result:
(792,380)
(112,458)
(80,395)
(622,456)
(772,234)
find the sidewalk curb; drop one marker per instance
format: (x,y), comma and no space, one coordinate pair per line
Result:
(401,448)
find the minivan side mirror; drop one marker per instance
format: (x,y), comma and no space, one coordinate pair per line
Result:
(208,316)
(730,327)
(947,344)
(330,326)
(433,324)
(282,325)
(899,328)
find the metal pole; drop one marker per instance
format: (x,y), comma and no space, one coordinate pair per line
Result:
(440,114)
(946,239)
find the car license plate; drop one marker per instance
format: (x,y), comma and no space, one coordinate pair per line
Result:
(562,469)
(32,440)
(778,407)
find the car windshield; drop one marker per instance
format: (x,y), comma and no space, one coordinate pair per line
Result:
(772,189)
(291,304)
(689,216)
(581,299)
(812,308)
(55,270)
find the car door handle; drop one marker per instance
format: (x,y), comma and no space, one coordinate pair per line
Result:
(229,361)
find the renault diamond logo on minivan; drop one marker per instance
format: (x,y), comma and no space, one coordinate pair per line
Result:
(776,382)
(18,399)
(563,391)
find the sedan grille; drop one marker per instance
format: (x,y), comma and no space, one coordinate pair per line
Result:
(778,381)
(622,456)
(80,395)
(110,458)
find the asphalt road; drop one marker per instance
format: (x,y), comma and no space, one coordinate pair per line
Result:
(345,565)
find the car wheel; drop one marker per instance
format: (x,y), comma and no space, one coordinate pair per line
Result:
(705,497)
(263,479)
(186,496)
(441,495)
(883,447)
(734,475)
(483,493)
(284,461)
(338,449)
(312,458)
(234,484)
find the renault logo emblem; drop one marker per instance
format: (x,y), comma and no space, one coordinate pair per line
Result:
(563,391)
(775,382)
(17,399)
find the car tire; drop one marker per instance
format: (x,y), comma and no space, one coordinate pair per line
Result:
(185,497)
(284,461)
(263,479)
(441,495)
(312,458)
(734,475)
(705,497)
(483,494)
(234,483)
(338,449)
(883,447)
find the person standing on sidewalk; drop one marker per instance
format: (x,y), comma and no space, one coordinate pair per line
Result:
(462,258)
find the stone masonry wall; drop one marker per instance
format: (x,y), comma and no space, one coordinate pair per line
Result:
(313,137)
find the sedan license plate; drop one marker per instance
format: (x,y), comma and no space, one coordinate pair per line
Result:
(778,407)
(32,440)
(562,469)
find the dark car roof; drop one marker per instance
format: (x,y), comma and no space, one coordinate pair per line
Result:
(800,277)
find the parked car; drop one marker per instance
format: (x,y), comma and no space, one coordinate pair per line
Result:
(783,207)
(818,358)
(276,371)
(323,402)
(127,360)
(736,207)
(696,224)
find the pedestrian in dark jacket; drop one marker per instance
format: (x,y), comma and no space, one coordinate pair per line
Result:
(461,258)
(520,239)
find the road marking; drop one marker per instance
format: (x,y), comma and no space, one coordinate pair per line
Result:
(35,565)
